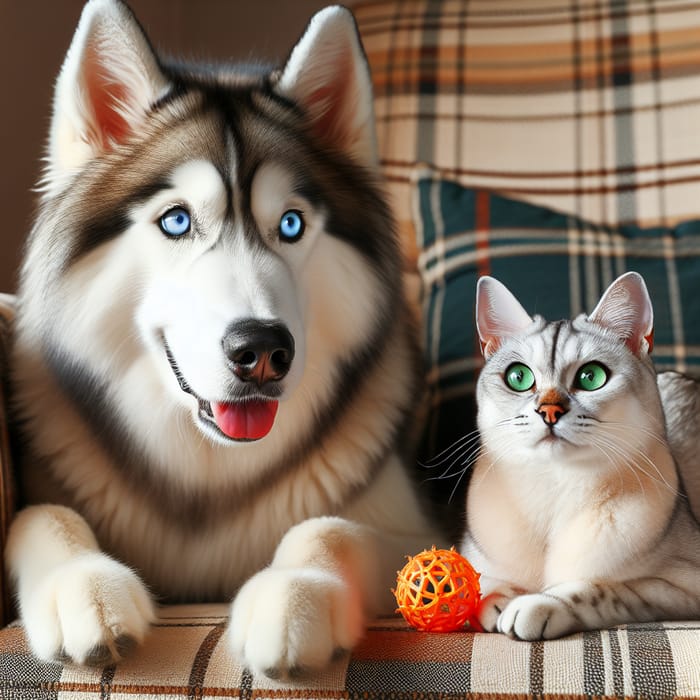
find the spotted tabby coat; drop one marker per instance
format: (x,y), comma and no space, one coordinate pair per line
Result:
(577,514)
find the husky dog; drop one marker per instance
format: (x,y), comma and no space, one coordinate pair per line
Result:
(214,370)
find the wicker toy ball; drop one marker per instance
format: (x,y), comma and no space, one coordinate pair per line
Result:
(438,591)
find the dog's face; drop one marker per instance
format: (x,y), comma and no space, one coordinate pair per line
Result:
(223,229)
(224,298)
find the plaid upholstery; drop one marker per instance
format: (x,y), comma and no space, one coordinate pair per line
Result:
(586,106)
(185,657)
(586,111)
(589,107)
(557,265)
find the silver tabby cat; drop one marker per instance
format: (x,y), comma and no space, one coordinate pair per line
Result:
(577,515)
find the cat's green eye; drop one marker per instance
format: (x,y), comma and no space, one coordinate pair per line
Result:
(519,377)
(591,376)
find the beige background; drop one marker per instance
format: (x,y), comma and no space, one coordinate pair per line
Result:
(34,36)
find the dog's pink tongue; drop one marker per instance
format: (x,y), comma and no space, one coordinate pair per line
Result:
(248,420)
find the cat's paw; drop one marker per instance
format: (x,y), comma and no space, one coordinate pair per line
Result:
(537,616)
(89,611)
(287,622)
(490,609)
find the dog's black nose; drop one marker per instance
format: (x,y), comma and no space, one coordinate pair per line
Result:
(259,351)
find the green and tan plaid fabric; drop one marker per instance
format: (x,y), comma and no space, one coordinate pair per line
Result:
(186,657)
(585,107)
(557,265)
(590,107)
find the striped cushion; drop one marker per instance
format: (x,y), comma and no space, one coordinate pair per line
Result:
(185,656)
(590,107)
(557,265)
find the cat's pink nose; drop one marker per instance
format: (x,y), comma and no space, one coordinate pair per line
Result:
(551,412)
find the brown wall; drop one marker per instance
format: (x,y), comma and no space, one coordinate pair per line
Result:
(34,36)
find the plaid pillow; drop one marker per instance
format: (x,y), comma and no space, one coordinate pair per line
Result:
(557,265)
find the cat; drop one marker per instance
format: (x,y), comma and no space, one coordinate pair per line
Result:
(577,515)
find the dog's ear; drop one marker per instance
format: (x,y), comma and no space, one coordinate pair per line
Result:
(109,80)
(328,76)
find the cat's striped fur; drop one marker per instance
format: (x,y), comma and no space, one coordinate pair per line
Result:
(578,516)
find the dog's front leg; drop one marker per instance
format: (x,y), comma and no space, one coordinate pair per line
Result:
(310,603)
(76,603)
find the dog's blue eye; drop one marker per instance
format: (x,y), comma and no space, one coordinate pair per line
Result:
(175,222)
(291,226)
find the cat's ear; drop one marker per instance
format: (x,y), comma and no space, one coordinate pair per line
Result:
(498,314)
(108,82)
(625,308)
(328,76)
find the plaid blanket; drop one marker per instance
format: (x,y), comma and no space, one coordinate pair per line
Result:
(185,657)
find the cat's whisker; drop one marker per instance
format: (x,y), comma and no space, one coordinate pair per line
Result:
(640,428)
(478,451)
(449,473)
(507,421)
(504,449)
(654,419)
(467,455)
(462,453)
(481,451)
(623,464)
(634,450)
(456,486)
(465,461)
(446,454)
(624,429)
(630,453)
(626,449)
(661,479)
(617,464)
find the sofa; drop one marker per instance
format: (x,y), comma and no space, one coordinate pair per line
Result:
(553,144)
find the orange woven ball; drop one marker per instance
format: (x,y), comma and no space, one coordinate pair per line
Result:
(438,591)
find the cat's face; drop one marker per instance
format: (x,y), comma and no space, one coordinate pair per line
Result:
(569,387)
(582,389)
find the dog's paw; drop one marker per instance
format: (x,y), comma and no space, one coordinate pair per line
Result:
(89,611)
(536,616)
(288,622)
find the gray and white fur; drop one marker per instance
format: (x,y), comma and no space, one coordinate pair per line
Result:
(577,514)
(214,371)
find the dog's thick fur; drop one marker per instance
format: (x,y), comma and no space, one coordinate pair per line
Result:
(126,344)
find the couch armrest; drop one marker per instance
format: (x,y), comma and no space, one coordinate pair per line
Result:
(7,492)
